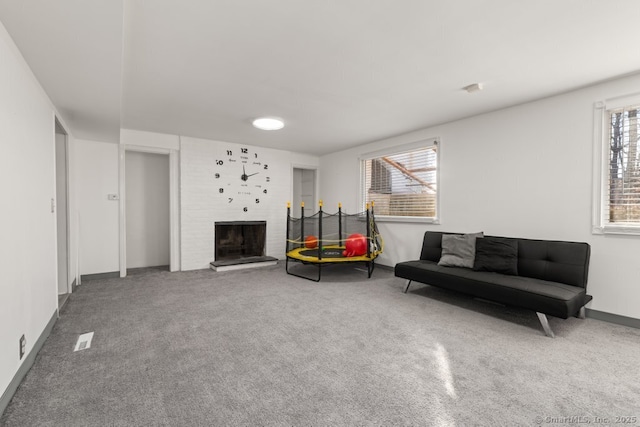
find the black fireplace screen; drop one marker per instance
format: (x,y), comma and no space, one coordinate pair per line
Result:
(239,239)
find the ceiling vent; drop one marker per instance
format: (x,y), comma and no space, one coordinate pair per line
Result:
(476,87)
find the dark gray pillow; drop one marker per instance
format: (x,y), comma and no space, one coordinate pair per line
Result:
(497,254)
(458,250)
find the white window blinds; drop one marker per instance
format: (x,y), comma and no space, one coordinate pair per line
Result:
(403,184)
(623,203)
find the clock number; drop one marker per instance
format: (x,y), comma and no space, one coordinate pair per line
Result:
(217,175)
(266,167)
(219,162)
(221,190)
(268,179)
(245,209)
(255,154)
(244,150)
(257,200)
(230,199)
(229,153)
(264,191)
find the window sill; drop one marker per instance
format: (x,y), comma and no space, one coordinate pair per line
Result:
(628,230)
(407,219)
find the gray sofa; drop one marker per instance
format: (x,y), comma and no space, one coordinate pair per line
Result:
(551,276)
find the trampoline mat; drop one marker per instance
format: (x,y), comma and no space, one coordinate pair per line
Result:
(329,254)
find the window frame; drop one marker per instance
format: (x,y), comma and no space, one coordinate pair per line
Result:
(601,160)
(398,149)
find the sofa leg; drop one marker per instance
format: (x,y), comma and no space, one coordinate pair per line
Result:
(545,324)
(407,288)
(582,314)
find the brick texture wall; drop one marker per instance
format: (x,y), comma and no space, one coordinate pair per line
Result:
(201,204)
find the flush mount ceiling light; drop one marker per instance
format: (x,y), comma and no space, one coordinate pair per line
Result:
(473,88)
(268,123)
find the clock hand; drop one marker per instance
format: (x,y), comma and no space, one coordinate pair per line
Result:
(253,174)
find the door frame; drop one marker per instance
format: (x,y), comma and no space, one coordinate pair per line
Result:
(174,203)
(59,129)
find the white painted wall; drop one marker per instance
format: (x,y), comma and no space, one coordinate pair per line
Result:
(96,167)
(524,171)
(147,209)
(149,139)
(28,290)
(95,174)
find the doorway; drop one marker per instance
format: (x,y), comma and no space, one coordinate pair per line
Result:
(62,213)
(147,210)
(304,190)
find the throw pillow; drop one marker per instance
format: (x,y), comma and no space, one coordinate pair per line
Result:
(497,254)
(458,250)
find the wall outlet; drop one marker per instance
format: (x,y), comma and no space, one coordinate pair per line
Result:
(112,196)
(23,346)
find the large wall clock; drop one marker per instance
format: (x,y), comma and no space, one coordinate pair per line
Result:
(242,178)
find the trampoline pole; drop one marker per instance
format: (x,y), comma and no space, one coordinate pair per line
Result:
(340,240)
(288,225)
(301,223)
(368,234)
(374,228)
(320,233)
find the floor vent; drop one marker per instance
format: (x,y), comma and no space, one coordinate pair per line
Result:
(84,341)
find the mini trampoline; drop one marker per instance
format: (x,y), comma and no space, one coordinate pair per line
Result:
(331,235)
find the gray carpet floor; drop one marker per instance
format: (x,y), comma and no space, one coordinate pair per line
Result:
(260,347)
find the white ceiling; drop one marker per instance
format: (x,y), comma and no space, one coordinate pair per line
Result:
(339,72)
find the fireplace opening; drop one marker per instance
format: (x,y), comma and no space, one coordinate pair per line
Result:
(239,239)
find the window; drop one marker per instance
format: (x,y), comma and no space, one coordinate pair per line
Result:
(403,183)
(619,208)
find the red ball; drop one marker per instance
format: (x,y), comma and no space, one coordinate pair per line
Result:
(311,242)
(355,245)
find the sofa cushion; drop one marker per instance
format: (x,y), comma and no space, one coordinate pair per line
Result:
(432,246)
(555,261)
(459,250)
(496,254)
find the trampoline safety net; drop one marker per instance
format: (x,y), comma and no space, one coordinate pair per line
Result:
(331,231)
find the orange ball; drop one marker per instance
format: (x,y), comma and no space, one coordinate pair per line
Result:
(311,242)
